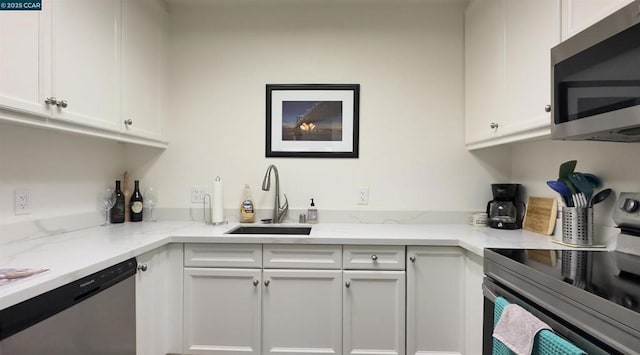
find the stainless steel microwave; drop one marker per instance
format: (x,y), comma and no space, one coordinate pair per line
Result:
(595,81)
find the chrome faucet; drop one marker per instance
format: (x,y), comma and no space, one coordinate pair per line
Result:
(278,211)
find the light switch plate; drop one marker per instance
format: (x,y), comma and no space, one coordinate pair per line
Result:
(198,192)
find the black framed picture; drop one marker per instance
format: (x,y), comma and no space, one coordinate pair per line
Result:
(312,120)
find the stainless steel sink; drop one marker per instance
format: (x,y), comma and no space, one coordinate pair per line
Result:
(270,230)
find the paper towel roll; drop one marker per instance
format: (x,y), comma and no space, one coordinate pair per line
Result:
(217,211)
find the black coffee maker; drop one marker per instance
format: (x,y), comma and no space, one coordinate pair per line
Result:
(506,210)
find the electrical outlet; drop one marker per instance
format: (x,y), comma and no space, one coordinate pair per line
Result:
(363,196)
(198,192)
(21,202)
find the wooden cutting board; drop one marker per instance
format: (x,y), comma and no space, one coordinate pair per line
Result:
(541,215)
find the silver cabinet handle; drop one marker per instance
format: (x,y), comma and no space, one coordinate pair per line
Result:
(142,267)
(51,101)
(374,257)
(347,284)
(412,259)
(493,125)
(547,108)
(62,103)
(255,282)
(128,122)
(267,282)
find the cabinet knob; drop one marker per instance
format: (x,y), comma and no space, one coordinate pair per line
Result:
(51,101)
(374,257)
(266,283)
(547,108)
(412,259)
(142,267)
(493,125)
(62,103)
(347,284)
(128,122)
(255,282)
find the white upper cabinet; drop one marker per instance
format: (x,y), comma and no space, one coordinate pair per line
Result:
(142,67)
(86,67)
(580,14)
(86,62)
(507,62)
(25,60)
(484,70)
(533,28)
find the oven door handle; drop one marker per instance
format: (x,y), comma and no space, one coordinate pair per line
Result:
(490,295)
(491,290)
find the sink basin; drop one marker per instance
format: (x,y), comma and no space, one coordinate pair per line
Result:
(270,230)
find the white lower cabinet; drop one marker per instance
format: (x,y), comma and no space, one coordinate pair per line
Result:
(222,299)
(250,310)
(236,303)
(159,301)
(473,304)
(222,311)
(302,311)
(435,300)
(374,312)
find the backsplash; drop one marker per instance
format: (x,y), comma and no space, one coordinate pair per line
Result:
(63,172)
(616,163)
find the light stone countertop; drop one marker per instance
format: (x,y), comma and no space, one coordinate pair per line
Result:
(73,255)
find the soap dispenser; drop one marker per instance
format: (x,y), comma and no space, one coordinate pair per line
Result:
(312,213)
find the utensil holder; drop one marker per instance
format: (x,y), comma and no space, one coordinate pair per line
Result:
(577,225)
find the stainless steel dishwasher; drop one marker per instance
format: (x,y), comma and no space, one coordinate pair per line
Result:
(94,315)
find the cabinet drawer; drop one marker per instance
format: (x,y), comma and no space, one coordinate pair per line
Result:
(369,257)
(292,256)
(223,255)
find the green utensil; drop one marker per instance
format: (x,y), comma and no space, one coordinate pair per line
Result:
(593,179)
(582,184)
(566,168)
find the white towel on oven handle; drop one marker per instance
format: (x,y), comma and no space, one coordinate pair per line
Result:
(517,329)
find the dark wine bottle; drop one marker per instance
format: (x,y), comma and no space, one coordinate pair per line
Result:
(136,203)
(117,211)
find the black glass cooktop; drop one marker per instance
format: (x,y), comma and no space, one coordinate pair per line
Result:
(610,275)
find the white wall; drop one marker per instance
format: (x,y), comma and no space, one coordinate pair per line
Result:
(408,58)
(63,172)
(407,55)
(616,163)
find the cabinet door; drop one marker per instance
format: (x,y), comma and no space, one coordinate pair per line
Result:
(533,28)
(473,304)
(142,67)
(374,312)
(435,296)
(484,70)
(221,311)
(302,312)
(159,301)
(25,59)
(86,62)
(580,14)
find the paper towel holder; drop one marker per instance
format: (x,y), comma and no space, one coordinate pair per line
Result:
(204,212)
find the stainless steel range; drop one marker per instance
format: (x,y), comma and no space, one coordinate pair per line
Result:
(591,298)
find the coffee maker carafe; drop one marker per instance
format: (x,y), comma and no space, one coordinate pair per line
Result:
(506,210)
